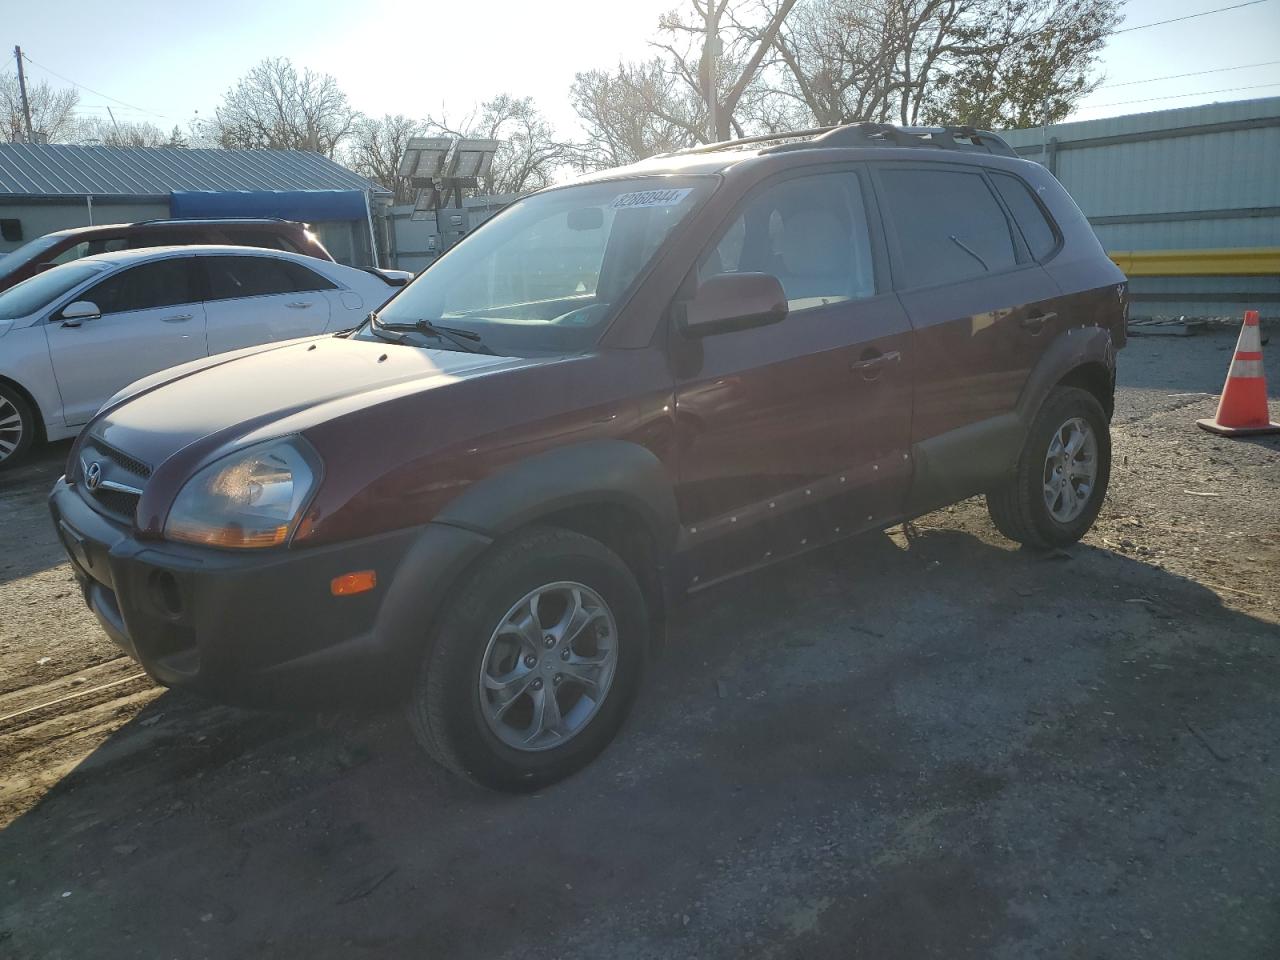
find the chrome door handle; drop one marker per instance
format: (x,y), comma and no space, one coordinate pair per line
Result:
(176,318)
(297,305)
(1036,324)
(869,365)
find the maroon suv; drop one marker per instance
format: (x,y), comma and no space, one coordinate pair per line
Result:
(484,500)
(63,246)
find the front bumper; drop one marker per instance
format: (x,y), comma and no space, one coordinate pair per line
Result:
(263,628)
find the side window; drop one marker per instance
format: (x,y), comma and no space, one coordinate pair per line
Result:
(75,252)
(255,238)
(163,283)
(950,226)
(305,279)
(811,233)
(107,245)
(166,238)
(1035,226)
(231,278)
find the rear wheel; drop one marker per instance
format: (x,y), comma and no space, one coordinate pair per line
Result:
(1062,473)
(17,426)
(534,665)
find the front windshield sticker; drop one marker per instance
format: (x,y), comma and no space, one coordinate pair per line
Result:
(651,198)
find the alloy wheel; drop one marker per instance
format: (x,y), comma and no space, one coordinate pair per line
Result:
(11,428)
(548,666)
(1070,470)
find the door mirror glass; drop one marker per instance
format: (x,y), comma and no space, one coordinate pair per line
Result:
(81,310)
(733,301)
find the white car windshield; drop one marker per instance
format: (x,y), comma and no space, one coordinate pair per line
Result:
(548,273)
(41,290)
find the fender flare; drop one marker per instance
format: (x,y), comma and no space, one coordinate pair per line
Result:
(1071,349)
(616,472)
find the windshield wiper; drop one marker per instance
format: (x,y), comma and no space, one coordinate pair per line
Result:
(462,339)
(379,331)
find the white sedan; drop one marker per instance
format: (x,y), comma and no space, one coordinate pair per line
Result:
(74,335)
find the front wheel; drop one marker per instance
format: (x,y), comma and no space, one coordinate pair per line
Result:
(1061,477)
(534,665)
(17,426)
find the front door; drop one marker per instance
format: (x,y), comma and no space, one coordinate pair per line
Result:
(261,299)
(794,434)
(151,319)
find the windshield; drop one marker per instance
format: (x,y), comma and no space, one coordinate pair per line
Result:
(547,274)
(28,251)
(41,290)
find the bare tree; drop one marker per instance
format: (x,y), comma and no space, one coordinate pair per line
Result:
(631,114)
(53,111)
(97,131)
(376,148)
(529,154)
(275,107)
(718,50)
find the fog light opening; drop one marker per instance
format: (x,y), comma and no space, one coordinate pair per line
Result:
(165,592)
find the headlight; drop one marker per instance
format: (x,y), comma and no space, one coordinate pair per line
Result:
(252,498)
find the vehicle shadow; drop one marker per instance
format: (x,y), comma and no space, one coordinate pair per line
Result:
(28,543)
(889,748)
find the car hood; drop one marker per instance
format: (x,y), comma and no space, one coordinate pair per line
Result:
(280,388)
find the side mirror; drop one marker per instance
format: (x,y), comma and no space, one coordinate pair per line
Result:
(733,301)
(73,314)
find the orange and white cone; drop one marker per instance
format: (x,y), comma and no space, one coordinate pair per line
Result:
(1242,410)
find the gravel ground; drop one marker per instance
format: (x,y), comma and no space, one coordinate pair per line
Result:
(926,743)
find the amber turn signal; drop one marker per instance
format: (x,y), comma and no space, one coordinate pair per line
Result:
(358,581)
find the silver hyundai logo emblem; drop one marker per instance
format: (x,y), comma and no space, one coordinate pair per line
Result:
(93,476)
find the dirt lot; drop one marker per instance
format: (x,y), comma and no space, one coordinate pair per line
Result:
(923,744)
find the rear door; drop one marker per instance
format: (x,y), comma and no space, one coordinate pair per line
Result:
(152,318)
(980,305)
(796,433)
(256,299)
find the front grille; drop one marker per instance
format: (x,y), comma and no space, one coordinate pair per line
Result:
(130,465)
(114,466)
(117,504)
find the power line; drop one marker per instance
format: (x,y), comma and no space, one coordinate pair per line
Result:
(99,93)
(1177,96)
(1179,76)
(1189,16)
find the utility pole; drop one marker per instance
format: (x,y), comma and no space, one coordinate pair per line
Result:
(710,51)
(22,88)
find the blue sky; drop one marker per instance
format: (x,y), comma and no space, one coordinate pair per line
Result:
(169,60)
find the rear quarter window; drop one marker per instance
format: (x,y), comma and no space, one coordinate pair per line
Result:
(1036,228)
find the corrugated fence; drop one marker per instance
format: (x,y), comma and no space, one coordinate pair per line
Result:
(1187,201)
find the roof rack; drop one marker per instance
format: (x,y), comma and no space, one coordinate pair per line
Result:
(869,135)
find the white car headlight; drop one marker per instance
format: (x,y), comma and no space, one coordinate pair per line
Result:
(252,498)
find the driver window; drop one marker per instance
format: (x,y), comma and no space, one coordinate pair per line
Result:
(163,283)
(811,233)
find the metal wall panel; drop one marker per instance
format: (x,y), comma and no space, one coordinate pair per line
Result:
(1177,166)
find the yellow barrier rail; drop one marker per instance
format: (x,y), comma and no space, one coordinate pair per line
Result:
(1230,262)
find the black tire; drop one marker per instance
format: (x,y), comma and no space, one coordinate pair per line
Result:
(445,708)
(1018,508)
(11,402)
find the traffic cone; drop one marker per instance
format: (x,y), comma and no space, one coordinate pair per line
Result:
(1242,410)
